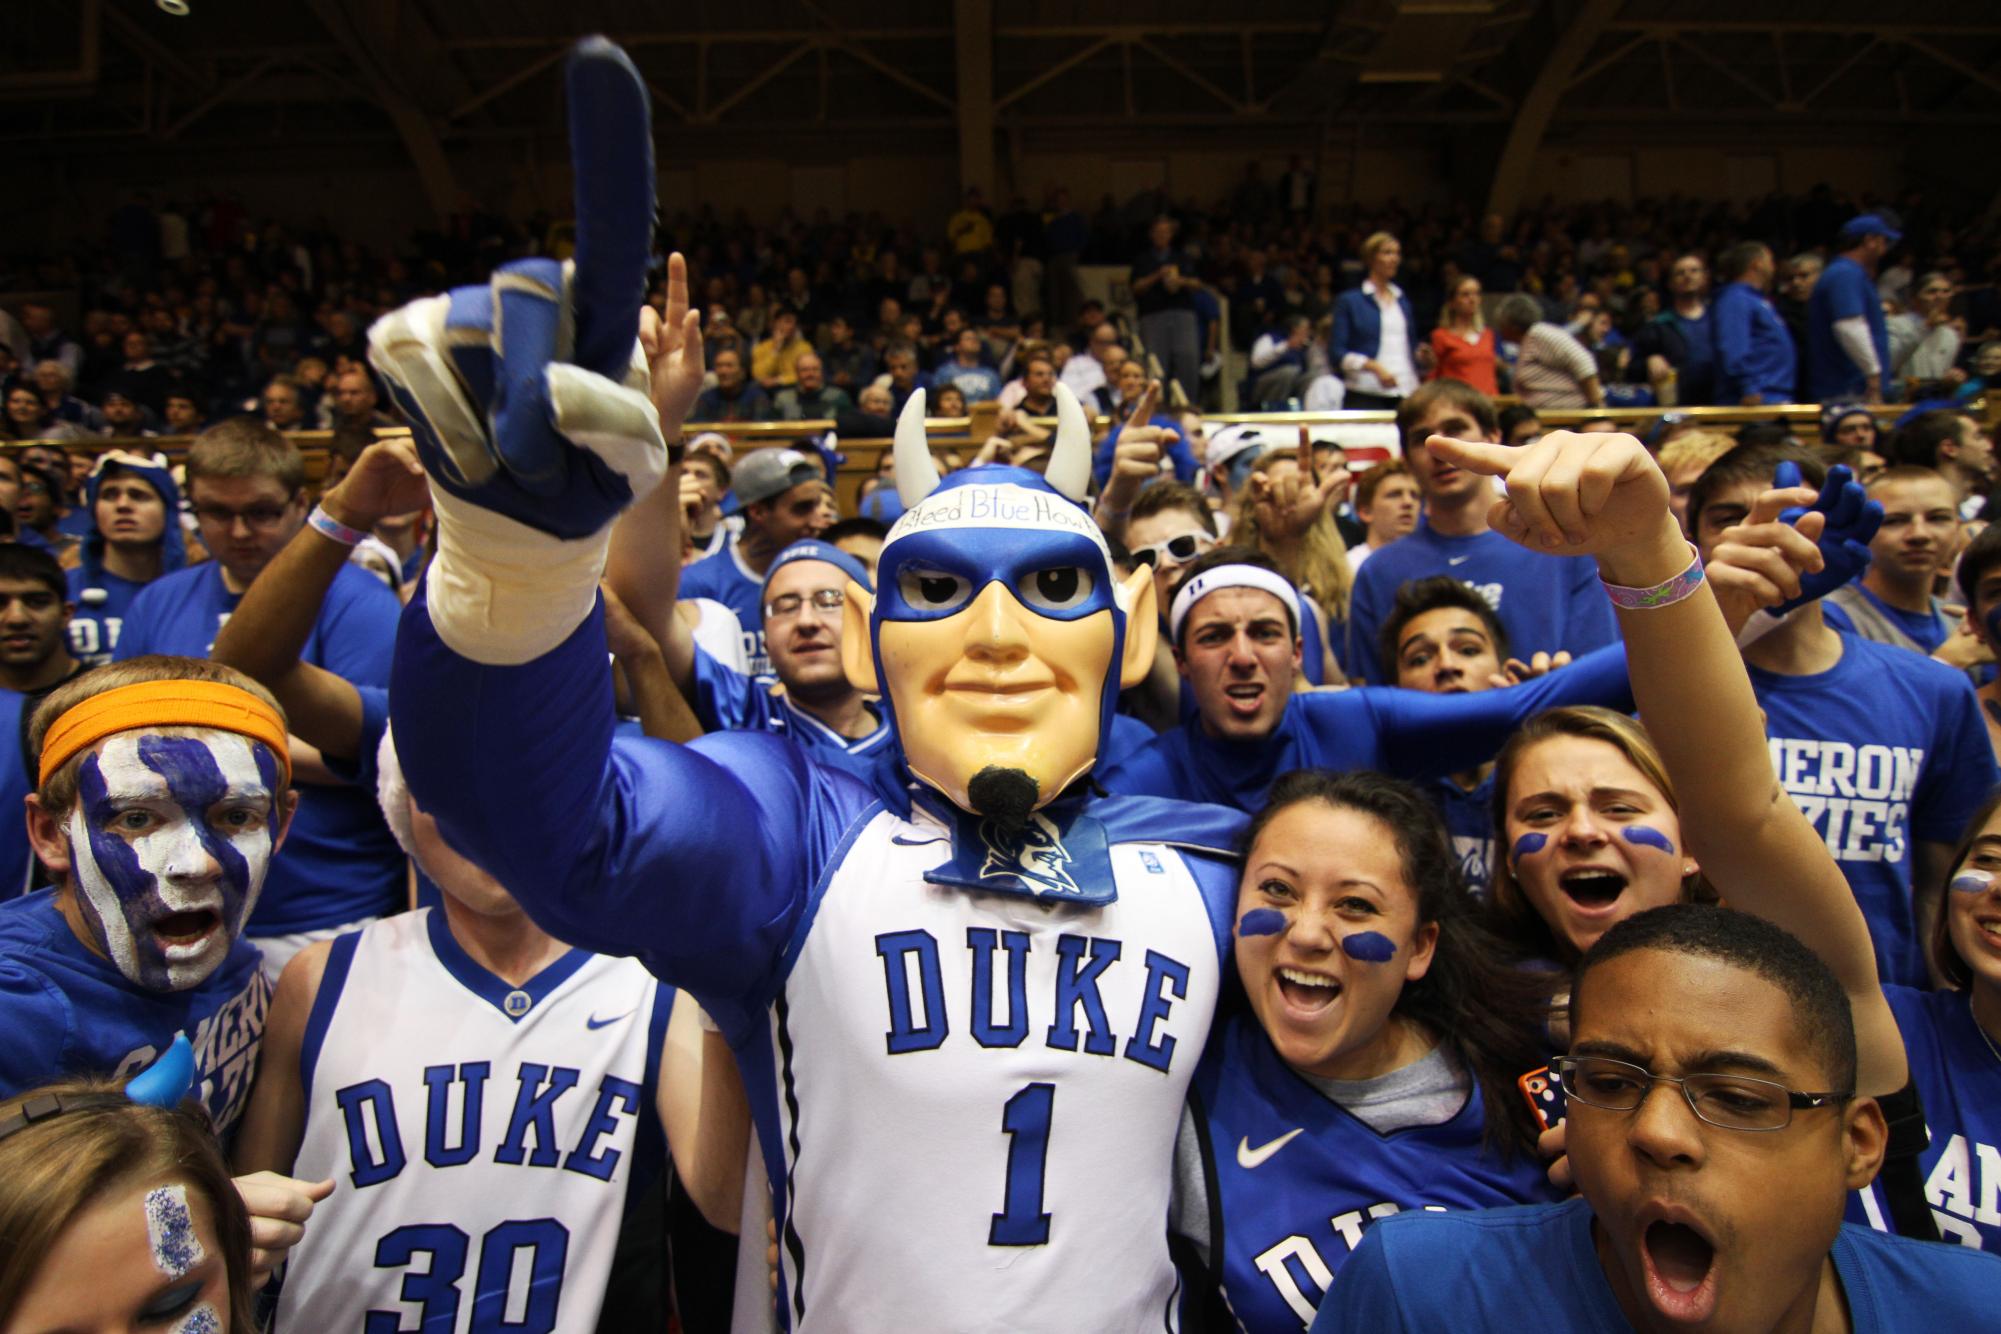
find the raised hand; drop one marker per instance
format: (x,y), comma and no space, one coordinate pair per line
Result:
(673,347)
(1136,457)
(1568,494)
(1760,563)
(529,397)
(1851,520)
(386,481)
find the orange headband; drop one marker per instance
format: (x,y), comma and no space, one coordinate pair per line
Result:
(165,704)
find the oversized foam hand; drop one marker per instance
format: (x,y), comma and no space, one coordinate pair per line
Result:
(528,397)
(1852,520)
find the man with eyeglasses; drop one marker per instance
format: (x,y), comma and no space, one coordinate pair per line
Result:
(783,497)
(341,866)
(806,695)
(1714,1133)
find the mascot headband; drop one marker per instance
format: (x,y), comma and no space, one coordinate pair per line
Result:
(226,708)
(1231,576)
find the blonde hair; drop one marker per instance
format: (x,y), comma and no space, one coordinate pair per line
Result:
(1703,447)
(55,1169)
(1515,917)
(1322,569)
(1376,241)
(1445,310)
(58,795)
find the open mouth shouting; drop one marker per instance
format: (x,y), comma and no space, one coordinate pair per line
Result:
(187,930)
(1679,1260)
(1245,698)
(1307,994)
(1593,889)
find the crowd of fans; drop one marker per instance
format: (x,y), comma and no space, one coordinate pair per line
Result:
(1414,707)
(190,314)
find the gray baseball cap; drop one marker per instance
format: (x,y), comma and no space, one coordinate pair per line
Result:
(766,473)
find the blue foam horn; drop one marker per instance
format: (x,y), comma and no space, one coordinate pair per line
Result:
(166,1081)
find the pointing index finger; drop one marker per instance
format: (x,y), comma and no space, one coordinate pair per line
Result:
(1143,406)
(1474,455)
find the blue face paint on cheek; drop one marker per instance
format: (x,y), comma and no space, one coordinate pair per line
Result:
(1530,844)
(1369,947)
(1641,836)
(1261,922)
(1973,882)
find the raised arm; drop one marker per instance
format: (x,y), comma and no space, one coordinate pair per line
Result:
(266,634)
(1604,496)
(1420,735)
(533,410)
(643,568)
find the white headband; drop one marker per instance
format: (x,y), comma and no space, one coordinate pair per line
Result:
(1231,576)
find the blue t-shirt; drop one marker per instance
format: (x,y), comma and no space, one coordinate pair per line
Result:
(1404,732)
(1754,350)
(68,1012)
(725,578)
(1882,750)
(1959,1079)
(340,863)
(1537,1266)
(1545,603)
(17,855)
(101,606)
(1926,628)
(1287,1208)
(728,701)
(1843,292)
(1469,818)
(977,383)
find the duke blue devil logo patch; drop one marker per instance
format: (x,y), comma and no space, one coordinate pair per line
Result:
(1034,856)
(1041,859)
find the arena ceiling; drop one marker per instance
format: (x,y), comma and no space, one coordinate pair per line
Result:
(82,77)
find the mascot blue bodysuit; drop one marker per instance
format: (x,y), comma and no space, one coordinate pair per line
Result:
(966,1001)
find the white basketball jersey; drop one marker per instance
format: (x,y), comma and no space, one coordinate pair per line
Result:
(977,1094)
(481,1136)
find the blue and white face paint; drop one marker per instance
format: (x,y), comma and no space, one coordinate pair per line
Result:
(169,842)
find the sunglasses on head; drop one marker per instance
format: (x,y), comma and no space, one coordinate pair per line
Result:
(1174,551)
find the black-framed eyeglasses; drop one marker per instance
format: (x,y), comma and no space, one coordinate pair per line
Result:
(791,604)
(1174,551)
(1733,1102)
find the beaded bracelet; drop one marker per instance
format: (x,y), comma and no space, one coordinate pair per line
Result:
(1660,595)
(325,524)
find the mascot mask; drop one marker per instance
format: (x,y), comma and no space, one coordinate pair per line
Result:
(1001,633)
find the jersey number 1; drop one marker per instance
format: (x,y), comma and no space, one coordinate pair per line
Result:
(1025,1121)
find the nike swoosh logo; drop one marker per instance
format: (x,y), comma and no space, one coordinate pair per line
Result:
(594,1023)
(903,842)
(1248,1158)
(1458,560)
